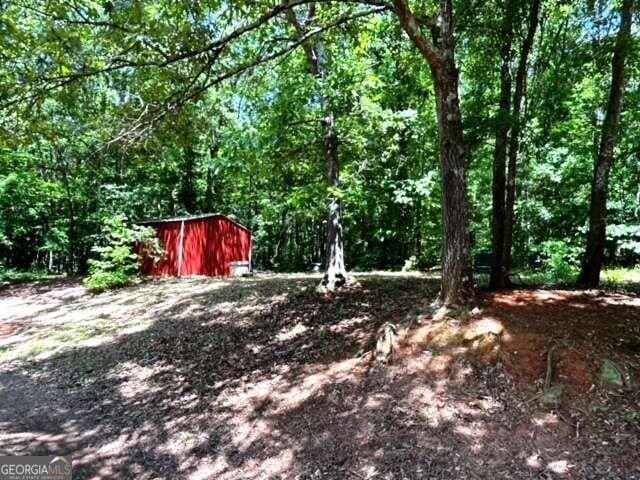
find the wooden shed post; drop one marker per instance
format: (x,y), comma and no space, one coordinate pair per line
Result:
(180,247)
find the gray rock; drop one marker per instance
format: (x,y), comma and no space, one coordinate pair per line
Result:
(611,375)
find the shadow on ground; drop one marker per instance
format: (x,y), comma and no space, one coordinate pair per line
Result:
(264,378)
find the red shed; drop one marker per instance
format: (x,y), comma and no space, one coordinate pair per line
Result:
(199,245)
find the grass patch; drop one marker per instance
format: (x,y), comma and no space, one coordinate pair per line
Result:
(608,277)
(11,275)
(4,349)
(621,276)
(75,333)
(35,348)
(546,278)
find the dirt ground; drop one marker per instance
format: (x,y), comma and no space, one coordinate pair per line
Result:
(263,378)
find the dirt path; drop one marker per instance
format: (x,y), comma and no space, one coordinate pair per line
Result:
(262,378)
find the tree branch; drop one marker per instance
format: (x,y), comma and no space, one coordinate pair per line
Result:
(83,21)
(48,84)
(409,24)
(301,40)
(173,103)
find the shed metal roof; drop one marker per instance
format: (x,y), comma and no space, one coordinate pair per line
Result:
(187,218)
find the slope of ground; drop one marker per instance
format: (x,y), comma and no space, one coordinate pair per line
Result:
(264,378)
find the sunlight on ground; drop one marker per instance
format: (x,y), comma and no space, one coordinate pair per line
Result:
(41,325)
(263,378)
(71,317)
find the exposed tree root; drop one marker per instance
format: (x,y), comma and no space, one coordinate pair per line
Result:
(392,336)
(438,311)
(550,394)
(336,283)
(549,374)
(386,344)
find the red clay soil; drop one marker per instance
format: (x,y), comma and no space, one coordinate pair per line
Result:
(265,379)
(7,329)
(520,328)
(575,370)
(586,328)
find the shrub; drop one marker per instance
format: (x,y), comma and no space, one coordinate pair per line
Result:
(419,262)
(410,264)
(560,261)
(100,280)
(117,263)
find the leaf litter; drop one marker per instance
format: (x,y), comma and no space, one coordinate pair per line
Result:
(265,378)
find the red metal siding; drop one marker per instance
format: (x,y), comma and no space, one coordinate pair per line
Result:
(209,247)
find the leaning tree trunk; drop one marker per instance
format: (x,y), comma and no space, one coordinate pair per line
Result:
(514,141)
(592,261)
(335,272)
(457,277)
(498,275)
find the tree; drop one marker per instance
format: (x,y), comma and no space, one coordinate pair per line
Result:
(508,143)
(457,275)
(514,140)
(187,193)
(335,272)
(498,275)
(97,102)
(596,236)
(205,63)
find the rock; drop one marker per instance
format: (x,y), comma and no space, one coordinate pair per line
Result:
(611,375)
(385,344)
(483,327)
(447,335)
(481,404)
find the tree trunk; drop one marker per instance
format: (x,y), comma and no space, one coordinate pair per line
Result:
(208,204)
(457,278)
(514,141)
(187,194)
(335,272)
(596,236)
(208,192)
(457,275)
(498,275)
(70,267)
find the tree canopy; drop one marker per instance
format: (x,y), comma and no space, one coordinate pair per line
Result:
(154,109)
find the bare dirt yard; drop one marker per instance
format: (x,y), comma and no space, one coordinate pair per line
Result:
(263,378)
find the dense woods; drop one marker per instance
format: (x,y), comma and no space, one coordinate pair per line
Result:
(320,239)
(359,135)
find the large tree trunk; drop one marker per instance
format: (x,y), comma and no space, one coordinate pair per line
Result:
(498,274)
(457,277)
(592,261)
(514,141)
(335,272)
